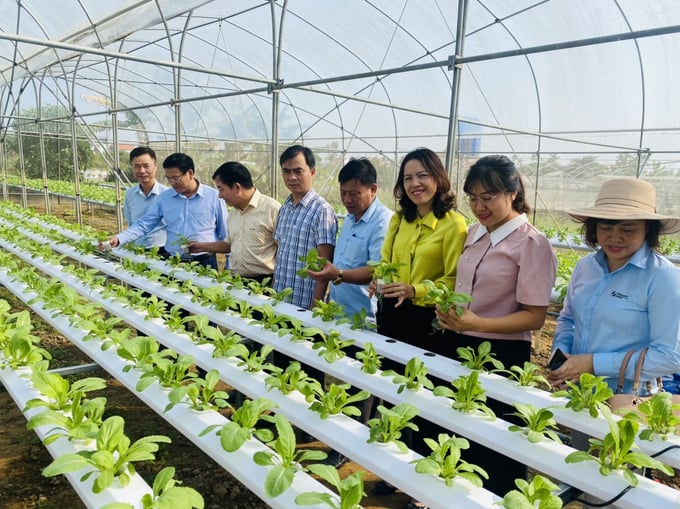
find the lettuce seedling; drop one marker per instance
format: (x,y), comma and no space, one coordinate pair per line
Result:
(615,451)
(468,395)
(336,400)
(388,428)
(311,261)
(113,457)
(370,359)
(350,490)
(241,427)
(414,377)
(591,393)
(446,463)
(285,459)
(539,423)
(538,493)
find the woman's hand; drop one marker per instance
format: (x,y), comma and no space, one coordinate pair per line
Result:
(400,291)
(571,370)
(468,321)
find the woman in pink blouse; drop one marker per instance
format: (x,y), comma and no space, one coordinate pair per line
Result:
(508,267)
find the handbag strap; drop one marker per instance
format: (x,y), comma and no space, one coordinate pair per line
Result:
(638,370)
(622,371)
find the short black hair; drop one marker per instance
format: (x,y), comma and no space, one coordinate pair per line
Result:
(179,160)
(233,172)
(294,150)
(359,169)
(140,151)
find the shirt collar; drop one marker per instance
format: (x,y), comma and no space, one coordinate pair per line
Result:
(430,220)
(306,199)
(368,213)
(156,189)
(254,200)
(502,231)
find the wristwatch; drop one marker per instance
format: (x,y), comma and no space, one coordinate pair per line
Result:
(338,279)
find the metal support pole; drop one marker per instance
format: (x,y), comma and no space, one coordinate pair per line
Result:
(455,89)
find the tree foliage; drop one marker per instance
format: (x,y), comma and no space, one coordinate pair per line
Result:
(58,145)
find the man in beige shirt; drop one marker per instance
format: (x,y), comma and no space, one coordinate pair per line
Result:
(250,224)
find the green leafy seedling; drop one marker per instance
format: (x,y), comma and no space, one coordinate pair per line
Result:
(200,394)
(480,359)
(538,423)
(528,375)
(285,459)
(468,395)
(168,494)
(350,490)
(293,378)
(371,361)
(660,415)
(414,377)
(80,420)
(336,400)
(590,393)
(331,347)
(113,458)
(615,451)
(387,272)
(360,321)
(256,361)
(446,298)
(241,427)
(329,311)
(311,261)
(388,428)
(539,494)
(446,463)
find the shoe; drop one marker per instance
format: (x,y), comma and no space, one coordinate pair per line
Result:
(383,488)
(414,504)
(335,459)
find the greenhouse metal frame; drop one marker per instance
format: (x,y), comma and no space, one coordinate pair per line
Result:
(573,91)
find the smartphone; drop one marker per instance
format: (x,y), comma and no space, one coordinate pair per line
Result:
(556,359)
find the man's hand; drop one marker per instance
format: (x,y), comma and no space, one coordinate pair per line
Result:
(112,242)
(329,272)
(196,247)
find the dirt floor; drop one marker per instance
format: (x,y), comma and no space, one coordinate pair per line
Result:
(22,457)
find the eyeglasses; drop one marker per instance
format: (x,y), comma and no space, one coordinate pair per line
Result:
(485,198)
(175,179)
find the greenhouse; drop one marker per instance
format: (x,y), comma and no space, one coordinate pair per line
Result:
(574,92)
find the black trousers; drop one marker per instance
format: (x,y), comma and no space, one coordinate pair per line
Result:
(502,469)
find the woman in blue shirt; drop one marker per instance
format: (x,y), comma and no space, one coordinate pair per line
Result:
(625,296)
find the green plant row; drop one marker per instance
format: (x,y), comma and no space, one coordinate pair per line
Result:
(334,401)
(91,192)
(73,415)
(416,377)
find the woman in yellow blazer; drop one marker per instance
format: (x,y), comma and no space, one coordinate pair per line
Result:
(426,236)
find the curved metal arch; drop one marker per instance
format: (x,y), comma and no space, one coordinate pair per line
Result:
(537,90)
(643,95)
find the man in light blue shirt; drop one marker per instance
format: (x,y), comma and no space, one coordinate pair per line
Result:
(139,198)
(360,240)
(192,212)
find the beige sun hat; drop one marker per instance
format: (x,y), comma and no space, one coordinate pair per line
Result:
(626,198)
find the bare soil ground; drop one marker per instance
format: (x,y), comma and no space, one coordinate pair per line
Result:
(22,456)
